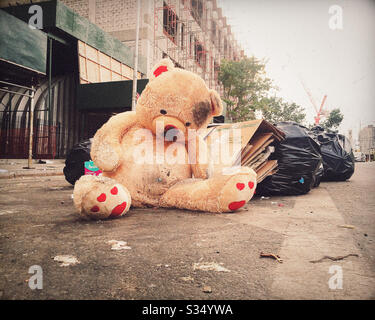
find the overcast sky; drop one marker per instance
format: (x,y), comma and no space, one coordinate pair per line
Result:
(296,38)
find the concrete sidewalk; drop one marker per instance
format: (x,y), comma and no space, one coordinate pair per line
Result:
(181,254)
(15,168)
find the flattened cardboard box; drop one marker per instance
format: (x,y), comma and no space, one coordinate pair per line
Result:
(249,148)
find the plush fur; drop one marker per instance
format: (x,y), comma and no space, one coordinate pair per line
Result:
(180,100)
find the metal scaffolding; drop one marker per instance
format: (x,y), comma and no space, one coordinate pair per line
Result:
(187,32)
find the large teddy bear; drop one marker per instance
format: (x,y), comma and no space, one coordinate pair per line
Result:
(137,152)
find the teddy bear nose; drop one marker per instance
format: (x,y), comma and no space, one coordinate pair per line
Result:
(169,127)
(162,111)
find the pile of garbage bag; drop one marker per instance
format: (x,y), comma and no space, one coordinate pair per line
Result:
(299,163)
(337,153)
(75,160)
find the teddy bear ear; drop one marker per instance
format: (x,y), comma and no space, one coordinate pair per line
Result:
(216,104)
(164,65)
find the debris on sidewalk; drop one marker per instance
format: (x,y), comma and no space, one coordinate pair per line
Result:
(187,279)
(335,258)
(6,212)
(207,289)
(40,161)
(347,226)
(118,245)
(271,255)
(209,266)
(66,260)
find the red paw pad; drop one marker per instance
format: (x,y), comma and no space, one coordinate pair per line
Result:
(236,205)
(114,190)
(95,209)
(118,210)
(102,197)
(251,184)
(240,186)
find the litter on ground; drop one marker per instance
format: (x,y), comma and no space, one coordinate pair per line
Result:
(118,245)
(209,266)
(271,255)
(66,260)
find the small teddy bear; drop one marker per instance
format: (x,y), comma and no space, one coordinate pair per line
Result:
(134,150)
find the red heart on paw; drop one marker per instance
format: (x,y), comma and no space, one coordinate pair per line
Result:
(118,210)
(251,184)
(236,205)
(102,197)
(95,209)
(240,186)
(114,190)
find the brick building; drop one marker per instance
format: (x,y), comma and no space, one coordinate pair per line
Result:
(193,33)
(367,139)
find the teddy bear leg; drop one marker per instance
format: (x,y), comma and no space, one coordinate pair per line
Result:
(220,193)
(100,197)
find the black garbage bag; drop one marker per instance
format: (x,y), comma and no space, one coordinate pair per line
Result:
(338,157)
(75,160)
(319,175)
(299,163)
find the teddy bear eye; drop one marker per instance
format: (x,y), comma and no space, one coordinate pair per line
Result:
(162,111)
(187,124)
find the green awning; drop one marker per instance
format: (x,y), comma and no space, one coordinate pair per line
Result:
(22,46)
(57,16)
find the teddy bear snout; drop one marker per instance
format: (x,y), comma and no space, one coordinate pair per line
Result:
(169,127)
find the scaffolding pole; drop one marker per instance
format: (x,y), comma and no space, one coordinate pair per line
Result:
(135,71)
(31,129)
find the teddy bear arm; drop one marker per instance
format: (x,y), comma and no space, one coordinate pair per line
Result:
(199,159)
(106,148)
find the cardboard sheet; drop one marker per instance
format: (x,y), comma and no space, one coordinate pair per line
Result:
(251,148)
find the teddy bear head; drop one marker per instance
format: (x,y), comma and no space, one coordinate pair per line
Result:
(178,99)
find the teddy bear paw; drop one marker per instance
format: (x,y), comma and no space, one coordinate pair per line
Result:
(238,190)
(105,200)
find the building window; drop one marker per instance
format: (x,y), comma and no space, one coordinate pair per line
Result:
(213,31)
(182,36)
(219,40)
(199,54)
(190,44)
(170,22)
(216,71)
(197,10)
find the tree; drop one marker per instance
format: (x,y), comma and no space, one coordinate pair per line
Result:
(247,90)
(245,87)
(334,119)
(277,110)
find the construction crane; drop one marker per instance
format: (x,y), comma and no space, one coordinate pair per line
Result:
(319,112)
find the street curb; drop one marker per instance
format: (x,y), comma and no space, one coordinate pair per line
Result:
(12,175)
